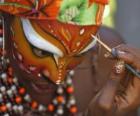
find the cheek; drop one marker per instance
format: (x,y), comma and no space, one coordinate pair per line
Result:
(33,64)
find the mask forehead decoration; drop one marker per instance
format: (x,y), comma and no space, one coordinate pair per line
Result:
(74,38)
(82,12)
(49,34)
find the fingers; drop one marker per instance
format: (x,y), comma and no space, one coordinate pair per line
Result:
(127,57)
(108,93)
(126,48)
(126,53)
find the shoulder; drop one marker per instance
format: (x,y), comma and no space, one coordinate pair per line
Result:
(110,36)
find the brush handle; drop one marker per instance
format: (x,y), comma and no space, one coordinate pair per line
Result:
(133,71)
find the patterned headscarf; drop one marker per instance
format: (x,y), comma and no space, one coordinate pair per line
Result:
(50,9)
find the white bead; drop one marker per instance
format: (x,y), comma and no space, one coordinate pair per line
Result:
(1,97)
(39,75)
(9,92)
(71,72)
(55,102)
(27,98)
(2,58)
(7,60)
(41,108)
(69,81)
(3,89)
(72,102)
(60,90)
(4,76)
(13,88)
(6,114)
(15,108)
(60,111)
(1,39)
(9,106)
(58,82)
(15,80)
(20,108)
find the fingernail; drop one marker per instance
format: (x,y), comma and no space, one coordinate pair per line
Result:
(119,67)
(121,52)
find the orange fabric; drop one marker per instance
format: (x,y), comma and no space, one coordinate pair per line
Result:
(45,9)
(99,1)
(42,9)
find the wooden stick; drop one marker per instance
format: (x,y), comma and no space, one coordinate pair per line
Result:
(129,67)
(103,44)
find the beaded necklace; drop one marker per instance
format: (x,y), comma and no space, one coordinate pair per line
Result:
(14,99)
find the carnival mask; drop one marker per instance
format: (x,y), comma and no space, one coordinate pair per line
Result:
(50,36)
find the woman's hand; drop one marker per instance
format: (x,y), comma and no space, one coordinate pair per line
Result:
(121,93)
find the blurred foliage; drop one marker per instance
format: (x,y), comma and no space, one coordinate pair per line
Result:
(110,10)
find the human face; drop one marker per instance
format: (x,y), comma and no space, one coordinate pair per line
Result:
(50,48)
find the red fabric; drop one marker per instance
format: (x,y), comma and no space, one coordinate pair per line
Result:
(99,1)
(46,9)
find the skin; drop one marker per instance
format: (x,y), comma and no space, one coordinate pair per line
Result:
(119,96)
(99,79)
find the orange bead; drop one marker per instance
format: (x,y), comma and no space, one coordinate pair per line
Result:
(34,104)
(70,89)
(10,71)
(3,52)
(22,91)
(18,99)
(50,107)
(1,31)
(73,109)
(3,108)
(60,99)
(10,80)
(0,51)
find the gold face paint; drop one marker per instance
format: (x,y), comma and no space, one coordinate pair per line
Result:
(49,37)
(69,39)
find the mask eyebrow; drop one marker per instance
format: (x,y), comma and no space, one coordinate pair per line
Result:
(37,40)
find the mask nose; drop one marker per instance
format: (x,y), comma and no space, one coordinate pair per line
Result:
(61,71)
(58,72)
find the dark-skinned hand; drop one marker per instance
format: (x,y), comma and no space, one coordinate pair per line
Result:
(121,93)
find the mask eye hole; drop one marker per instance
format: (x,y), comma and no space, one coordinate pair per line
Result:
(41,53)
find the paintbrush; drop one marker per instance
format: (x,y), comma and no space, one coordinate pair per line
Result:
(128,67)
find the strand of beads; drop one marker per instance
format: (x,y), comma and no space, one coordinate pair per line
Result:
(71,102)
(14,98)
